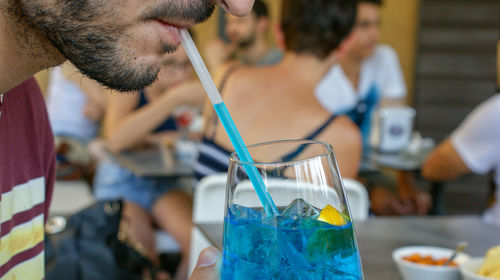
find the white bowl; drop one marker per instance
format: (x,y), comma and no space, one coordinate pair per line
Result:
(414,271)
(470,268)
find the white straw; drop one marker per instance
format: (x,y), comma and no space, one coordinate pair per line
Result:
(200,68)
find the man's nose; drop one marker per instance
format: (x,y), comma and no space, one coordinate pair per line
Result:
(236,7)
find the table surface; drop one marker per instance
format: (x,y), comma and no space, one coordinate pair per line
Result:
(378,237)
(155,162)
(152,162)
(399,161)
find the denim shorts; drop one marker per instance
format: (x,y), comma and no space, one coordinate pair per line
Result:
(112,182)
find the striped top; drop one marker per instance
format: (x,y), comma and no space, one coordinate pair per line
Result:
(212,159)
(27,166)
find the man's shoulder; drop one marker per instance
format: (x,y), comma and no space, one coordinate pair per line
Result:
(384,53)
(483,120)
(27,93)
(28,86)
(25,120)
(383,56)
(489,110)
(494,102)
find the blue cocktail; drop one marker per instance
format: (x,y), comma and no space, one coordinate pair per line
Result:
(302,241)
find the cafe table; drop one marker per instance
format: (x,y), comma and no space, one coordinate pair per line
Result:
(152,162)
(379,237)
(407,165)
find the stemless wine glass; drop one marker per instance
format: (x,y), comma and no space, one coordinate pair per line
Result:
(311,237)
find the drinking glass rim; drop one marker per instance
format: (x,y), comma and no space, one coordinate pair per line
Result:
(329,150)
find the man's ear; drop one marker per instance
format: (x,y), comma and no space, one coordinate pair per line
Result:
(279,37)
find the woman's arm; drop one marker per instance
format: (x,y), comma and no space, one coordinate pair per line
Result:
(125,127)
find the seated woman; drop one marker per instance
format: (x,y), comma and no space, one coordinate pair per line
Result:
(277,102)
(76,106)
(130,120)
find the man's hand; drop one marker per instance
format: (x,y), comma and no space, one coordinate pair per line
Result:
(412,200)
(208,266)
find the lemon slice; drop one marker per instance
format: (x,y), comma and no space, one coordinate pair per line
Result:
(491,264)
(332,216)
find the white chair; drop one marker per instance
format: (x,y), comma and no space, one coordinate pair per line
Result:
(208,206)
(70,197)
(209,203)
(357,198)
(356,195)
(210,198)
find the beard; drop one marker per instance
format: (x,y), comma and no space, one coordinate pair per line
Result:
(76,28)
(246,42)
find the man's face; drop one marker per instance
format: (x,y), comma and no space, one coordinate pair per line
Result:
(242,31)
(367,30)
(119,43)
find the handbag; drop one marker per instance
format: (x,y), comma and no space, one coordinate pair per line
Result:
(91,246)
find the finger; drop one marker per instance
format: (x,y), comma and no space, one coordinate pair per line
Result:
(207,267)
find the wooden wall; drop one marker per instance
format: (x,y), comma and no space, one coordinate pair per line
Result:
(498,62)
(399,30)
(455,71)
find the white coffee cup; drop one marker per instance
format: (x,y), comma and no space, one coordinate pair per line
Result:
(392,128)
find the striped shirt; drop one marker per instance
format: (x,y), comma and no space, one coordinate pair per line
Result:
(27,166)
(212,159)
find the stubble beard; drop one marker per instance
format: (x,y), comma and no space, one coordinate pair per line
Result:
(71,30)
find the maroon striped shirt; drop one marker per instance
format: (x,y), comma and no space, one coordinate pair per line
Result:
(27,170)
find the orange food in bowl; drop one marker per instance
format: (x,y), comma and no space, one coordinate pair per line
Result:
(428,260)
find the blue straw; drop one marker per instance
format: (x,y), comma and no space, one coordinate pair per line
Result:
(228,123)
(238,144)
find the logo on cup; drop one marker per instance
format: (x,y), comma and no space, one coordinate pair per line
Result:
(396,130)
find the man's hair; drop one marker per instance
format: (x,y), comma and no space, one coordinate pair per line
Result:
(376,2)
(260,9)
(316,27)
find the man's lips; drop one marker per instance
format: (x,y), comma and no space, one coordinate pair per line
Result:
(179,24)
(173,33)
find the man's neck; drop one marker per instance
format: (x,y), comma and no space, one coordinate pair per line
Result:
(254,53)
(22,52)
(351,66)
(306,67)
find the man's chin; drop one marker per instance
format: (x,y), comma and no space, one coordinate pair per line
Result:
(126,81)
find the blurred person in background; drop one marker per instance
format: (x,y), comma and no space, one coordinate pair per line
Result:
(369,76)
(472,148)
(248,41)
(132,120)
(76,106)
(276,102)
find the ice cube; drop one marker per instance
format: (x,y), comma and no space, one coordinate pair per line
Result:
(242,212)
(299,208)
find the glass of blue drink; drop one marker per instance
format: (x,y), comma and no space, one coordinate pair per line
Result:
(311,236)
